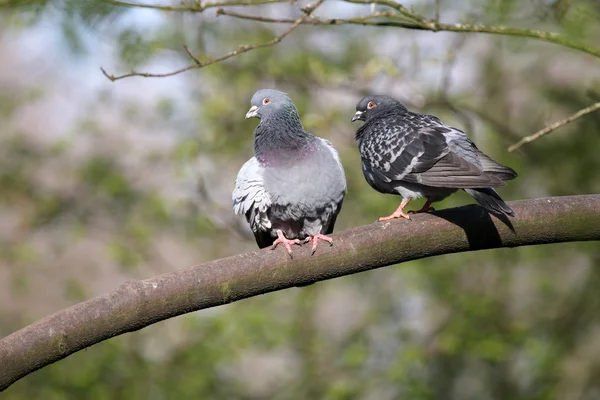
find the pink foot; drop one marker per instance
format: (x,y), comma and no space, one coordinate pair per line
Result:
(286,242)
(315,240)
(396,214)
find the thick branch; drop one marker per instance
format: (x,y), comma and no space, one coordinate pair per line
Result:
(137,304)
(555,126)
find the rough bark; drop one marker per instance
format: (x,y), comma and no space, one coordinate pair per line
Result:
(137,304)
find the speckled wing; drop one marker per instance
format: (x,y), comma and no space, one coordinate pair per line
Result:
(252,200)
(403,152)
(460,144)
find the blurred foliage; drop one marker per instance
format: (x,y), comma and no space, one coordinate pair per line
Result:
(133,179)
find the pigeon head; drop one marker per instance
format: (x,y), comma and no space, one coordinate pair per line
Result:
(268,103)
(280,134)
(373,105)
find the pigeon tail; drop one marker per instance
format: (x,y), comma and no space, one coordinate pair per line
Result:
(491,201)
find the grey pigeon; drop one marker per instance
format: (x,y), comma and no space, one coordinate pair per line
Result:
(294,186)
(416,155)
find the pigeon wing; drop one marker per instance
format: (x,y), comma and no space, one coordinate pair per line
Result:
(491,167)
(423,156)
(460,144)
(252,200)
(338,186)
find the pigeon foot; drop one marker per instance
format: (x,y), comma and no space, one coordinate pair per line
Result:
(399,213)
(286,242)
(315,239)
(425,209)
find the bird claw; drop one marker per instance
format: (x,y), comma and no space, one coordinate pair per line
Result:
(399,213)
(422,210)
(286,242)
(394,216)
(315,240)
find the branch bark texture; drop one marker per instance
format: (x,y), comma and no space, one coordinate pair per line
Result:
(137,304)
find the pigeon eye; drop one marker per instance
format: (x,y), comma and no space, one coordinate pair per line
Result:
(370,105)
(266,101)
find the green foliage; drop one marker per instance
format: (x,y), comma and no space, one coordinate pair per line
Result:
(118,196)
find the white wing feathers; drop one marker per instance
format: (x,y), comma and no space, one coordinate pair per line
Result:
(249,196)
(336,157)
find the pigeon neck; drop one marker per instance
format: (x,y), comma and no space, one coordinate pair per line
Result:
(285,143)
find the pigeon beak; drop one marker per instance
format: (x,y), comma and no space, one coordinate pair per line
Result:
(252,112)
(358,116)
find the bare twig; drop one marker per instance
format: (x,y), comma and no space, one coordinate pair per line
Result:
(197,6)
(554,126)
(404,11)
(363,20)
(189,53)
(241,49)
(137,304)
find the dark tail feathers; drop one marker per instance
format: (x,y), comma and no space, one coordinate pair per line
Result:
(491,201)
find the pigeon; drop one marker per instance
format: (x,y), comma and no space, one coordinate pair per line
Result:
(294,186)
(416,155)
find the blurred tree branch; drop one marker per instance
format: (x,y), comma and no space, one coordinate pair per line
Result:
(554,126)
(196,6)
(402,20)
(137,304)
(241,49)
(400,17)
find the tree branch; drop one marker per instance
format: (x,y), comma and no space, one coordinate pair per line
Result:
(402,21)
(362,20)
(197,6)
(554,126)
(405,12)
(137,304)
(401,17)
(241,49)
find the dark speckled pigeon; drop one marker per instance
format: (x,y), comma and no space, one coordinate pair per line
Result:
(416,155)
(294,186)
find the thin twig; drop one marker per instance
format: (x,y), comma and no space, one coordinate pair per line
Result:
(554,126)
(404,11)
(363,20)
(189,53)
(193,7)
(241,49)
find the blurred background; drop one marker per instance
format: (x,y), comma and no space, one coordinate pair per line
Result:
(102,182)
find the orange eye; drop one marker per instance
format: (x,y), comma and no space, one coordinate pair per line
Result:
(266,101)
(370,105)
